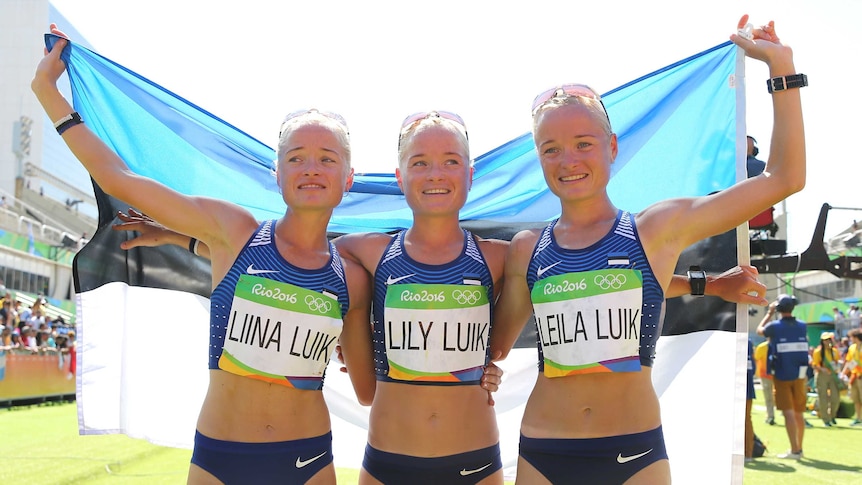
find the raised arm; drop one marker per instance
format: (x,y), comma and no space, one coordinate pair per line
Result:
(206,219)
(766,318)
(670,226)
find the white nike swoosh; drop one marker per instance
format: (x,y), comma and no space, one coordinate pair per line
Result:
(625,459)
(392,281)
(300,463)
(466,472)
(251,270)
(542,270)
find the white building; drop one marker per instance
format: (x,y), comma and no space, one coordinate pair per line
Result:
(48,208)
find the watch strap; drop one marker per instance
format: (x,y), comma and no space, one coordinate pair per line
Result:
(697,280)
(786,82)
(67,122)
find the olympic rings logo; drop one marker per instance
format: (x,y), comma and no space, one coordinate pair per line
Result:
(467,297)
(318,304)
(615,281)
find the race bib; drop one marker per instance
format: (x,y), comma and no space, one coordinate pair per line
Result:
(280,333)
(436,333)
(589,322)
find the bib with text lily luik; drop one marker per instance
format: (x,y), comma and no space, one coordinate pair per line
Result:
(436,332)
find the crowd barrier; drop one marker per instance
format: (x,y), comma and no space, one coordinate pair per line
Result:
(26,377)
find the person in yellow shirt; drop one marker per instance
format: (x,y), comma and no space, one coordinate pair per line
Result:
(825,363)
(760,353)
(853,370)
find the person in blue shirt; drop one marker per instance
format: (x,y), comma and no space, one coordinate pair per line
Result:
(787,361)
(753,165)
(749,400)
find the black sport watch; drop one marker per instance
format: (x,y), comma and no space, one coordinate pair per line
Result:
(697,280)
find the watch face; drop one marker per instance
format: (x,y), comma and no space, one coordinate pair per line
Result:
(697,274)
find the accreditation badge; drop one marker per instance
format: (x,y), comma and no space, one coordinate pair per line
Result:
(589,322)
(280,333)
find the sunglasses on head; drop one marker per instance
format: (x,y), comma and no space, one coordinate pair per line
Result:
(296,114)
(411,120)
(567,90)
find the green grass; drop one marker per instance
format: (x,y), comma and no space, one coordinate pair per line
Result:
(832,455)
(41,445)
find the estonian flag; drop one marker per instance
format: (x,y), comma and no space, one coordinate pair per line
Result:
(143,314)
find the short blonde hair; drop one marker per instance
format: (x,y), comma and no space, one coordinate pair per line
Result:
(311,117)
(432,120)
(593,104)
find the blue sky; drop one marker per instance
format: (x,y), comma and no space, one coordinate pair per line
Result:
(376,62)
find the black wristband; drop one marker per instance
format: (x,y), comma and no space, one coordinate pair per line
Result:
(67,122)
(193,246)
(786,82)
(697,280)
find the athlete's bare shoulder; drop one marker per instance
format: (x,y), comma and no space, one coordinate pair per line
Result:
(365,248)
(525,240)
(493,248)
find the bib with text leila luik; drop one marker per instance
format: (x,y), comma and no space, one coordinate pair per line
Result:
(589,322)
(436,333)
(280,333)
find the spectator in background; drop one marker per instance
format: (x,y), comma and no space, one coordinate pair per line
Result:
(36,320)
(824,359)
(854,318)
(28,339)
(62,349)
(26,313)
(788,363)
(749,399)
(6,337)
(842,346)
(840,322)
(6,314)
(47,344)
(765,381)
(40,335)
(853,370)
(38,305)
(72,347)
(753,165)
(16,339)
(61,341)
(16,310)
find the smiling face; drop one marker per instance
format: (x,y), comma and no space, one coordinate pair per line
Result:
(313,168)
(575,150)
(434,169)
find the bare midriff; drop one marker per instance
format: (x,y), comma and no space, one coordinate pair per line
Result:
(241,409)
(431,421)
(592,405)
